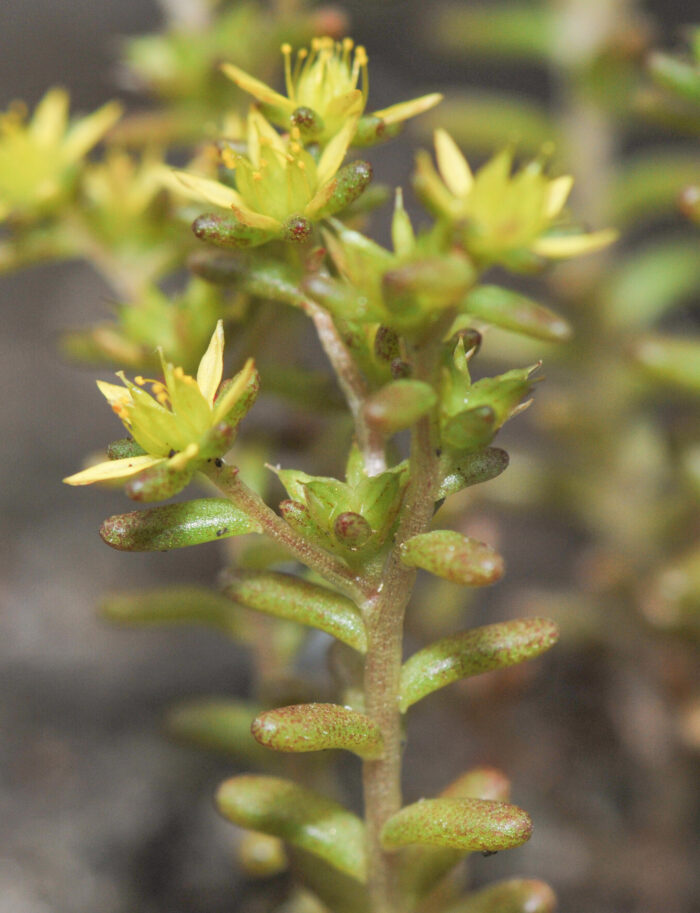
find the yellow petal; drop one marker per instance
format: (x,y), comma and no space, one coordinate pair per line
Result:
(90,130)
(112,470)
(563,246)
(264,129)
(452,165)
(334,153)
(256,219)
(50,118)
(198,188)
(211,367)
(557,194)
(256,88)
(114,394)
(394,114)
(228,400)
(181,459)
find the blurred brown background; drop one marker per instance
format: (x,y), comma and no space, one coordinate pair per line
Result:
(99,812)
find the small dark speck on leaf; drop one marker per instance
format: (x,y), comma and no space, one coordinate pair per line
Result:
(489,852)
(222,531)
(218,462)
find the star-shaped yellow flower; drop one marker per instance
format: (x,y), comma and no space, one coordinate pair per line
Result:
(280,187)
(39,157)
(172,424)
(322,91)
(501,212)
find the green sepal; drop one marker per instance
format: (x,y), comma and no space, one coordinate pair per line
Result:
(470,825)
(516,895)
(471,429)
(318,727)
(671,360)
(422,867)
(348,184)
(440,282)
(387,345)
(509,310)
(124,448)
(453,556)
(372,130)
(399,405)
(243,404)
(473,652)
(176,526)
(460,470)
(299,816)
(298,517)
(175,605)
(220,725)
(159,482)
(228,231)
(297,600)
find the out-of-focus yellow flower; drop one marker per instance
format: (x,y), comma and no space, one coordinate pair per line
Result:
(501,211)
(322,91)
(280,187)
(172,424)
(39,158)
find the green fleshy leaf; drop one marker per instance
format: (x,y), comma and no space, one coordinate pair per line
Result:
(339,892)
(176,526)
(228,231)
(470,825)
(317,727)
(516,895)
(423,866)
(473,652)
(348,185)
(399,405)
(352,530)
(471,429)
(124,448)
(682,78)
(513,31)
(299,816)
(648,185)
(651,281)
(462,470)
(453,556)
(512,311)
(219,725)
(298,517)
(672,360)
(175,605)
(439,282)
(297,600)
(158,483)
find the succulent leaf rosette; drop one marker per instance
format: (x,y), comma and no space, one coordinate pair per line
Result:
(179,423)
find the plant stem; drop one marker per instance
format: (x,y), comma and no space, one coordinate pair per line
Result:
(328,566)
(384,618)
(351,383)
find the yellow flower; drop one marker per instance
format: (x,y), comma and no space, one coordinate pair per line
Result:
(501,212)
(280,187)
(174,424)
(39,158)
(322,90)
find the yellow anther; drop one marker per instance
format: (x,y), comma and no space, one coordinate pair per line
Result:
(179,373)
(139,380)
(286,48)
(361,59)
(228,157)
(301,165)
(295,133)
(257,176)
